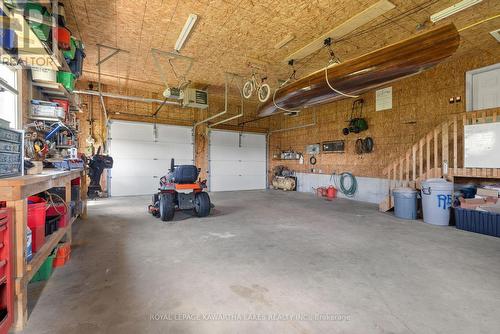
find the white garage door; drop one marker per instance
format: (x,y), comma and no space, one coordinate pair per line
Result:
(237,163)
(140,159)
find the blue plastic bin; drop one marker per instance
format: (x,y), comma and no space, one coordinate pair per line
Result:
(8,39)
(478,221)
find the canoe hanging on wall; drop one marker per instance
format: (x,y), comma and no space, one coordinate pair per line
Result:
(369,71)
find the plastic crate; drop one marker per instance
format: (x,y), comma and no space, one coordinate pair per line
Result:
(67,79)
(478,221)
(45,270)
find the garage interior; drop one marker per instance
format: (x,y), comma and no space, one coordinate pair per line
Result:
(221,166)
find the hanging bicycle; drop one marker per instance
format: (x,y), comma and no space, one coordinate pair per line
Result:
(257,84)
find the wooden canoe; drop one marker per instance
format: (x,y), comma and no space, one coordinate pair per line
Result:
(369,71)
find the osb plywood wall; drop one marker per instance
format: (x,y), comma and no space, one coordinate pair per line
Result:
(419,104)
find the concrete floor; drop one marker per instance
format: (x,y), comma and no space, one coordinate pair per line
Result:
(264,255)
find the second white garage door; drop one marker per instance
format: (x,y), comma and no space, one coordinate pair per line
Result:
(140,159)
(237,163)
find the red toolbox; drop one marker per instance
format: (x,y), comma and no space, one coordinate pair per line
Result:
(36,221)
(6,282)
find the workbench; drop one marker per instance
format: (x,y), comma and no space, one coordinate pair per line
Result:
(15,191)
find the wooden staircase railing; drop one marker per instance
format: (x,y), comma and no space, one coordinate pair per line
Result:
(437,154)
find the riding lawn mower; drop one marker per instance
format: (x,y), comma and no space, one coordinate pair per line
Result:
(181,189)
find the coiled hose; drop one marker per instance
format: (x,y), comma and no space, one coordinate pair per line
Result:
(340,184)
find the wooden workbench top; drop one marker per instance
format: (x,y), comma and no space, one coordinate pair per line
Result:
(46,175)
(19,187)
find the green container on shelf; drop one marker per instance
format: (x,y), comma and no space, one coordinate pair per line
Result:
(38,12)
(70,54)
(45,270)
(67,79)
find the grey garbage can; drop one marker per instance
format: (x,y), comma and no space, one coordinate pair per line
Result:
(405,203)
(437,201)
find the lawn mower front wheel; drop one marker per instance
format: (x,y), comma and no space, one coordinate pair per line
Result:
(167,207)
(202,204)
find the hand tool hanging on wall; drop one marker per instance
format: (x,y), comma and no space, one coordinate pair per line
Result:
(356,121)
(364,145)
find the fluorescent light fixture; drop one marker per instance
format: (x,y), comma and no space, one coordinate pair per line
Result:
(284,41)
(496,34)
(458,7)
(368,15)
(186,30)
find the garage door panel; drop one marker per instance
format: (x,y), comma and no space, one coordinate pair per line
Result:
(253,168)
(224,138)
(128,149)
(132,167)
(174,134)
(221,168)
(237,168)
(144,185)
(139,161)
(248,140)
(236,153)
(131,131)
(177,151)
(233,183)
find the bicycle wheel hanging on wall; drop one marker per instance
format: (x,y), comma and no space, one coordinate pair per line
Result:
(264,92)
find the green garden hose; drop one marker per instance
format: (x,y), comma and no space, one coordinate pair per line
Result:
(340,184)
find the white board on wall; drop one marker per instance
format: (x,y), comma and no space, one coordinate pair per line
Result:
(383,98)
(482,145)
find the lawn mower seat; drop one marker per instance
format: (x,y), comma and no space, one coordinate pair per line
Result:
(185,174)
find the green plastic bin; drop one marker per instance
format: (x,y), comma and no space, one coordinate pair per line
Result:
(67,79)
(45,270)
(38,12)
(70,54)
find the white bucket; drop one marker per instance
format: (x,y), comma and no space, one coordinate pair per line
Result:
(437,201)
(43,74)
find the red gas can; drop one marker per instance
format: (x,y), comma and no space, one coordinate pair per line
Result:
(331,193)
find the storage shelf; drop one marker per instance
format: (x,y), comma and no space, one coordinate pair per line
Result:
(38,50)
(46,249)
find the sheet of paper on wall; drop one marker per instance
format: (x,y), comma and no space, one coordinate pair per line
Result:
(383,99)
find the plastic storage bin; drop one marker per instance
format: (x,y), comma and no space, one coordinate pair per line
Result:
(61,213)
(36,221)
(8,38)
(67,79)
(63,38)
(405,203)
(478,221)
(51,225)
(76,64)
(45,270)
(69,54)
(38,12)
(437,201)
(43,74)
